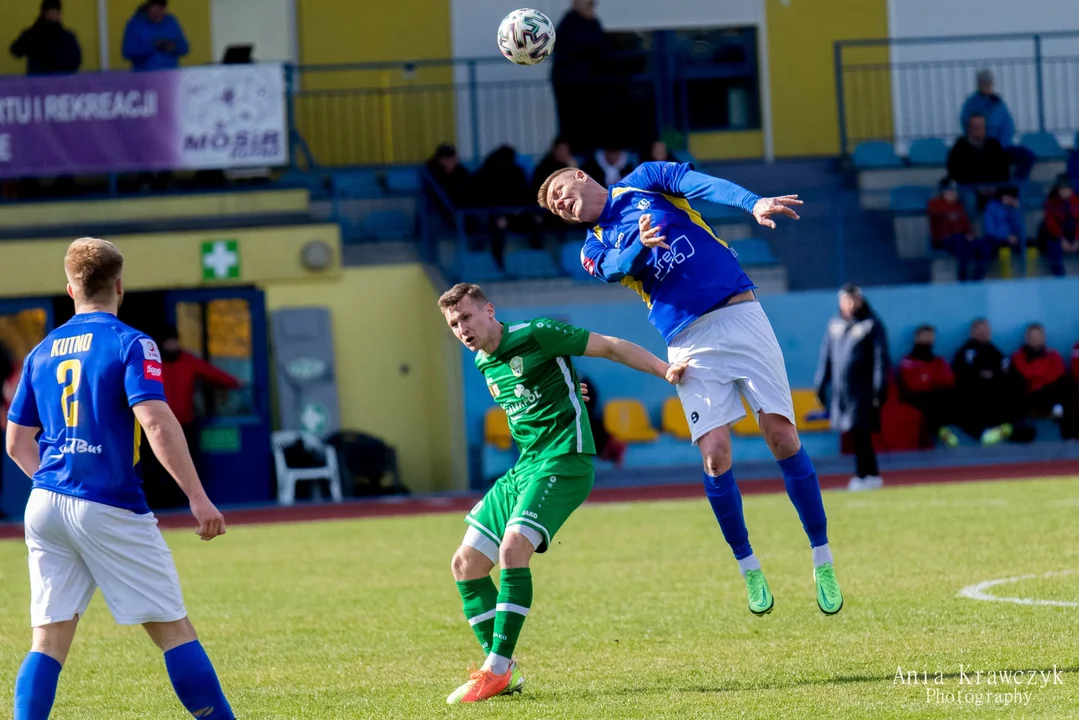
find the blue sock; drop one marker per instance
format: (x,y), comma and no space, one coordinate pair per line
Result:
(803,489)
(726,503)
(195,682)
(35,687)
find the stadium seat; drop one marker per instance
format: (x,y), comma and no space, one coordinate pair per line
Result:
(356,184)
(1032,196)
(627,420)
(754,251)
(571,262)
(388,225)
(805,402)
(526,163)
(531,264)
(480,267)
(311,447)
(1044,145)
(875,155)
(674,419)
(496,429)
(932,152)
(403,180)
(909,198)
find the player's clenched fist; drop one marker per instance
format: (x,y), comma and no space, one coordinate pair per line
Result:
(211,521)
(650,236)
(675,371)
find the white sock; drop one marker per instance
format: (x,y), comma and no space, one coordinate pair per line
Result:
(749,563)
(497,664)
(821,554)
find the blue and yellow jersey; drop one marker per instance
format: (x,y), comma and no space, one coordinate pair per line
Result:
(698,273)
(79,386)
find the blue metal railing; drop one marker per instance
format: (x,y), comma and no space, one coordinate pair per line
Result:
(902,89)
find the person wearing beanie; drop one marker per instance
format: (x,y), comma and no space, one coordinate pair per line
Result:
(49,47)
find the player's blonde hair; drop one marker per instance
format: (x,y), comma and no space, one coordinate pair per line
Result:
(541,196)
(92,266)
(457,293)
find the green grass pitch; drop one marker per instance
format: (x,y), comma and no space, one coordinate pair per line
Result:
(639,612)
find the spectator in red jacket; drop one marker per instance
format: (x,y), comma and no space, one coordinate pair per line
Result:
(950,229)
(926,381)
(1061,224)
(1049,388)
(1075,362)
(181,375)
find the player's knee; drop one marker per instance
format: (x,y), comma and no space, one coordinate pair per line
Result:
(516,551)
(169,635)
(54,639)
(716,451)
(781,435)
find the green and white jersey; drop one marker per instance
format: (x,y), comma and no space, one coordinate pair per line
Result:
(531,376)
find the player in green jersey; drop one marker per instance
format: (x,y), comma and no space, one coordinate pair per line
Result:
(529,371)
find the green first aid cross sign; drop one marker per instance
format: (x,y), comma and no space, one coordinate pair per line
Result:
(220,260)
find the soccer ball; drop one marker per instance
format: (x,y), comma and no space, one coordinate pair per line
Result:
(526,36)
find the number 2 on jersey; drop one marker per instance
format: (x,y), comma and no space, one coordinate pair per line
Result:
(67,397)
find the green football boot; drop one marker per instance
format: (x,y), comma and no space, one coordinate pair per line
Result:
(761,600)
(829,596)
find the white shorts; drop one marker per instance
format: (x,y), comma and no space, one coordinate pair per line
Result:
(77,546)
(733,353)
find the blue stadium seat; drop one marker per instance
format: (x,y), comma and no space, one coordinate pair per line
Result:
(928,152)
(754,251)
(530,264)
(909,198)
(403,180)
(876,155)
(388,225)
(1032,195)
(571,262)
(356,184)
(480,267)
(527,163)
(1044,145)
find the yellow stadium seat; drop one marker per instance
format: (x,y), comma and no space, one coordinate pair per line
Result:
(806,401)
(496,429)
(674,419)
(627,420)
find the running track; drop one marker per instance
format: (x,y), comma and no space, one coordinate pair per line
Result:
(393,506)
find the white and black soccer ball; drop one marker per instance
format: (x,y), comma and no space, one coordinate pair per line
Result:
(526,36)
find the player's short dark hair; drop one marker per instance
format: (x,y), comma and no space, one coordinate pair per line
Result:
(92,266)
(541,196)
(925,328)
(978,321)
(1035,326)
(460,291)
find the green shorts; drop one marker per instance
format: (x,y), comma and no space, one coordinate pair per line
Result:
(540,494)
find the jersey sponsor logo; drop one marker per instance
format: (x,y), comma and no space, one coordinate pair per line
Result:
(151,370)
(644,205)
(588,263)
(493,387)
(75,446)
(517,366)
(150,350)
(528,399)
(681,250)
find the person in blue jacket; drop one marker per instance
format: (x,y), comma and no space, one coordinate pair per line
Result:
(998,123)
(1004,224)
(153,39)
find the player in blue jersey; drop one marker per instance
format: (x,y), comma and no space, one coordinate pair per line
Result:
(647,236)
(86,395)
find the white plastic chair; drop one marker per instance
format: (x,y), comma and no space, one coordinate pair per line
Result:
(287,477)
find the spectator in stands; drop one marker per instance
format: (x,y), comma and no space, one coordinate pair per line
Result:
(1061,226)
(608,166)
(998,123)
(950,229)
(559,156)
(978,160)
(607,448)
(181,375)
(853,371)
(153,38)
(925,381)
(988,400)
(1005,227)
(659,152)
(49,47)
(576,74)
(8,380)
(1050,391)
(452,183)
(503,183)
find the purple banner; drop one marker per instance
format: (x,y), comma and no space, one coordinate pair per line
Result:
(196,118)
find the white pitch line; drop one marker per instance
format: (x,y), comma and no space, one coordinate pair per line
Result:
(978,592)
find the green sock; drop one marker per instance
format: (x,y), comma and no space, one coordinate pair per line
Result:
(514,601)
(479,598)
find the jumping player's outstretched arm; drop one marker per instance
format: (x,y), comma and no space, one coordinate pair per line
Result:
(633,356)
(682,180)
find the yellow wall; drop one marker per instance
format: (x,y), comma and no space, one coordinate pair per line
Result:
(801,35)
(736,145)
(80,17)
(194,17)
(385,318)
(171,260)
